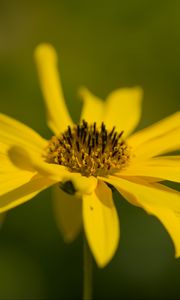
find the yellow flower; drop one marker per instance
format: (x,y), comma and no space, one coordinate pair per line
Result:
(85,160)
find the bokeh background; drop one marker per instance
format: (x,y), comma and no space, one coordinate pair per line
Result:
(103,45)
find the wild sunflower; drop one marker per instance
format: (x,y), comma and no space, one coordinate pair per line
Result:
(83,161)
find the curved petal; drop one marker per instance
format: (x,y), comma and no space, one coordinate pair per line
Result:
(11,177)
(57,173)
(93,108)
(24,193)
(101,223)
(68,213)
(163,144)
(155,132)
(155,199)
(13,132)
(58,116)
(82,184)
(123,109)
(164,168)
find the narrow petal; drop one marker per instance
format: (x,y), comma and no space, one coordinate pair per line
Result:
(82,184)
(164,168)
(93,107)
(24,193)
(101,224)
(57,113)
(153,132)
(161,145)
(24,158)
(11,177)
(155,199)
(68,213)
(13,132)
(123,109)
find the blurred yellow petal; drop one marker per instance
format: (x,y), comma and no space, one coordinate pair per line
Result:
(82,184)
(68,213)
(156,130)
(155,199)
(123,109)
(11,177)
(11,181)
(57,112)
(13,132)
(101,223)
(93,108)
(55,172)
(163,144)
(164,168)
(24,193)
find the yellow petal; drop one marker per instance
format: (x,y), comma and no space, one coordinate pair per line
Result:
(24,193)
(11,177)
(13,132)
(101,224)
(163,144)
(68,213)
(156,130)
(93,107)
(13,180)
(82,184)
(164,168)
(123,109)
(23,157)
(156,199)
(57,113)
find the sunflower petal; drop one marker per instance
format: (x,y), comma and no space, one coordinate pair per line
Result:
(93,107)
(155,199)
(13,132)
(101,224)
(123,109)
(68,213)
(27,159)
(58,116)
(82,184)
(155,131)
(161,145)
(164,168)
(24,193)
(11,177)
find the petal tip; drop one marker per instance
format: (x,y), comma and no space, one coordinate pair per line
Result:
(45,51)
(82,92)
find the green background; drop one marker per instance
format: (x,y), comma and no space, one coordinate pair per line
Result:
(103,45)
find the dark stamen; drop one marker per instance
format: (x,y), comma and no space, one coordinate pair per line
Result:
(112,131)
(69,131)
(90,148)
(69,141)
(77,145)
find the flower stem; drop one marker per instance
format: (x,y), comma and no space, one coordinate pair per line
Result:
(87,276)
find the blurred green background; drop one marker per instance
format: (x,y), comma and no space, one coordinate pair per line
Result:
(104,45)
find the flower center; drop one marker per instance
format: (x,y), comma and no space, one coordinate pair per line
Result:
(89,150)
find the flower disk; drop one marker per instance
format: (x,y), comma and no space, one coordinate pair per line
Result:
(89,150)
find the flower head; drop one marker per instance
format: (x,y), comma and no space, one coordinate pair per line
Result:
(83,160)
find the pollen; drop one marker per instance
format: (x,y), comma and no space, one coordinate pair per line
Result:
(89,150)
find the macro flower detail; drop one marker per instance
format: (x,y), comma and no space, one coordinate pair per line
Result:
(82,161)
(88,150)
